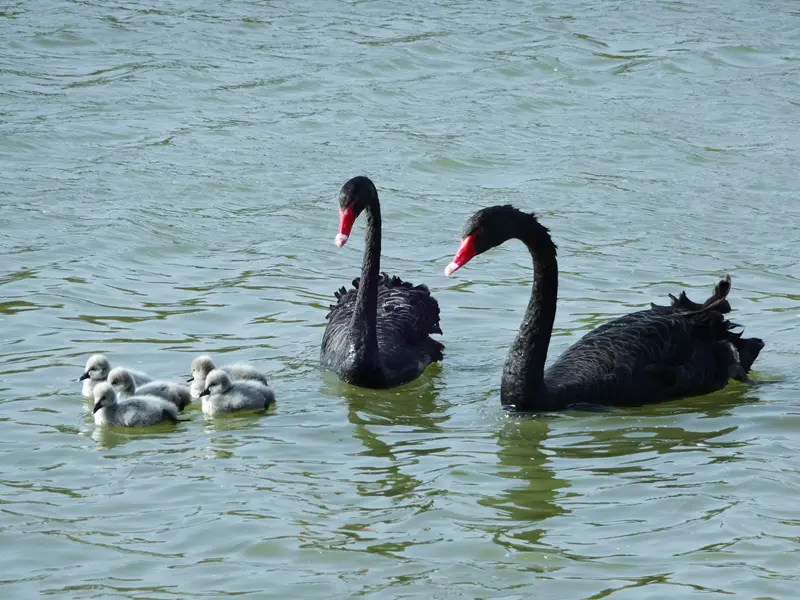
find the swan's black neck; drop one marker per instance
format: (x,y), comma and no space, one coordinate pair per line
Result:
(523,374)
(364,323)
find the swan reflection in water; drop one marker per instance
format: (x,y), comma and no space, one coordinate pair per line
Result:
(566,471)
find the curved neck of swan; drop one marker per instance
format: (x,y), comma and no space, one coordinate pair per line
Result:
(523,373)
(364,321)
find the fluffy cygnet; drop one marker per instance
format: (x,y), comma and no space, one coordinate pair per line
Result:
(138,411)
(97,370)
(123,383)
(203,365)
(223,395)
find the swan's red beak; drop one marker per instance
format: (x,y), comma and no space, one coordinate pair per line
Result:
(465,253)
(346,220)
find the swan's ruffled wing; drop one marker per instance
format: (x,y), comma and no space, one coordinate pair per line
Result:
(335,338)
(406,314)
(406,311)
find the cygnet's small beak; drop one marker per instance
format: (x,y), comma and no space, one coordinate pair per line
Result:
(205,392)
(84,376)
(96,407)
(190,380)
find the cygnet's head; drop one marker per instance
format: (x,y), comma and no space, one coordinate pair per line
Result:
(201,367)
(104,395)
(97,368)
(122,381)
(217,382)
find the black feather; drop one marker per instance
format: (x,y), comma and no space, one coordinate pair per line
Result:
(407,315)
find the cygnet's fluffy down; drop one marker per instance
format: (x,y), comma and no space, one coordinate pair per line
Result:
(123,383)
(223,395)
(137,411)
(203,365)
(97,370)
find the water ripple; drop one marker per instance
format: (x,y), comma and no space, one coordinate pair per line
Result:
(169,188)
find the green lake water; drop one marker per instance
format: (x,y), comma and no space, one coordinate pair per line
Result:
(169,183)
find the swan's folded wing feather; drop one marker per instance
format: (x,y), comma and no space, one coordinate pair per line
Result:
(406,311)
(641,338)
(651,352)
(340,313)
(406,316)
(345,300)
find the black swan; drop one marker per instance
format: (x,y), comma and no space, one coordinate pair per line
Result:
(663,353)
(378,333)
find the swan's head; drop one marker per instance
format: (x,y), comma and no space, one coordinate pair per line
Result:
(487,228)
(122,381)
(104,395)
(97,368)
(217,382)
(354,197)
(201,367)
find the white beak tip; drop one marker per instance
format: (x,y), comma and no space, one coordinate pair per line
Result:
(340,239)
(448,270)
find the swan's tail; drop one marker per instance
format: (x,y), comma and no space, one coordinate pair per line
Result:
(747,349)
(437,350)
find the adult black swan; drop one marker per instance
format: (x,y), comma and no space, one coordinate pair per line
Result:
(663,353)
(378,333)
